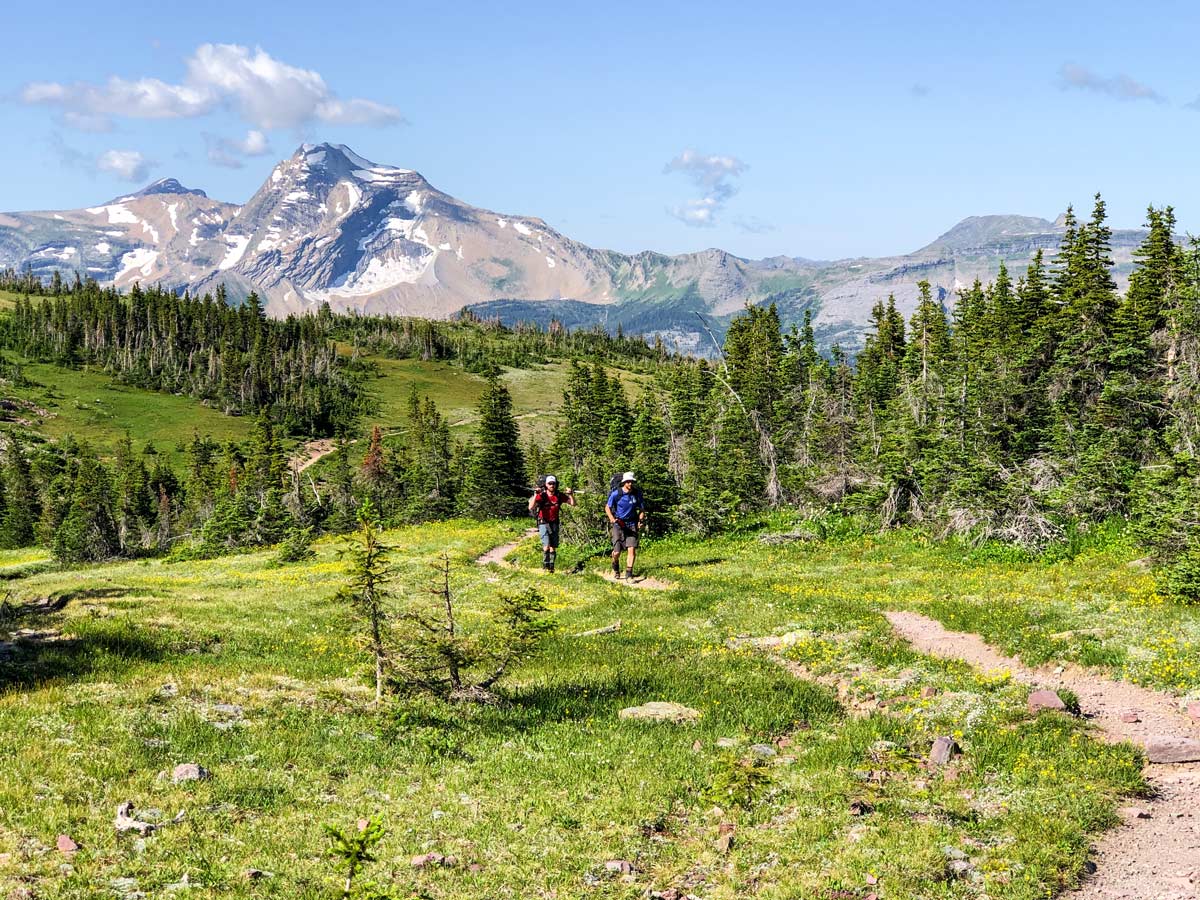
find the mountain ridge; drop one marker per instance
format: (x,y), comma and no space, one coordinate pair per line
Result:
(330,226)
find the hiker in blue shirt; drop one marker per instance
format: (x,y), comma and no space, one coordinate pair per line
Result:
(626,511)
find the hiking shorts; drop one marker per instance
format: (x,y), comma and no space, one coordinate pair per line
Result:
(548,532)
(624,536)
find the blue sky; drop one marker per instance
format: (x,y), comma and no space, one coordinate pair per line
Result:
(819,130)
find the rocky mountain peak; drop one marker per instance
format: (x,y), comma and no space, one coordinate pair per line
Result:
(978,231)
(168,186)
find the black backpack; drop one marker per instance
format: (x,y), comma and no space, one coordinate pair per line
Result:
(614,484)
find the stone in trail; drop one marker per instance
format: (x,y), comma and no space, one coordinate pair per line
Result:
(1040,700)
(1173,750)
(1155,857)
(661,711)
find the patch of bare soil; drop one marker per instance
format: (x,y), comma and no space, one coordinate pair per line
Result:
(639,581)
(499,555)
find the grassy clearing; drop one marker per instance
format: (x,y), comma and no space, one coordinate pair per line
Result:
(245,670)
(536,393)
(92,406)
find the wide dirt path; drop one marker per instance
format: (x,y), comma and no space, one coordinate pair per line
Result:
(1155,854)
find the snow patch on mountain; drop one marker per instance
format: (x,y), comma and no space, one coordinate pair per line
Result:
(117,214)
(141,259)
(237,247)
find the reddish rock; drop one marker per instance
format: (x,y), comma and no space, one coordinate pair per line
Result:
(427,859)
(928,691)
(1173,750)
(65,844)
(1131,716)
(943,750)
(1193,710)
(620,866)
(1040,700)
(190,772)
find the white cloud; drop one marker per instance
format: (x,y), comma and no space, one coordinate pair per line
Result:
(229,152)
(265,92)
(1119,87)
(711,174)
(254,144)
(129,165)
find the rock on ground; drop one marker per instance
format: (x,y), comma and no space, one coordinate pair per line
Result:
(660,711)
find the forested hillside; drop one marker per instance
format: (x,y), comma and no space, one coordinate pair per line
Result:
(1028,411)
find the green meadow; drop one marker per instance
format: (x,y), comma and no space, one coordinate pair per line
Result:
(815,760)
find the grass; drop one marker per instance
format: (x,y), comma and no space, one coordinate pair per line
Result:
(536,393)
(92,406)
(247,670)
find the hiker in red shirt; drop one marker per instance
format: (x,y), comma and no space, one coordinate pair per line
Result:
(545,505)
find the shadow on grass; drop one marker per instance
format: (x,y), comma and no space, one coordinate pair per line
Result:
(38,657)
(736,696)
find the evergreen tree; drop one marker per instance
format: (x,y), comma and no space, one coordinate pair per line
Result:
(495,483)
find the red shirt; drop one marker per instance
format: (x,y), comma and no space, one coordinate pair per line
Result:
(546,505)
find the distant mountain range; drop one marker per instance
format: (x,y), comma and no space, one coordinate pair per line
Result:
(330,226)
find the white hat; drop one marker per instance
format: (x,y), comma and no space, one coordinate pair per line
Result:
(628,476)
(550,478)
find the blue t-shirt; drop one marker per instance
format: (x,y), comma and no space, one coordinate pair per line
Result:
(625,506)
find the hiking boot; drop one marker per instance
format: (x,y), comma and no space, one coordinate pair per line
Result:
(616,569)
(550,562)
(629,574)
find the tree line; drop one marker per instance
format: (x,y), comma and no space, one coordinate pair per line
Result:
(1029,408)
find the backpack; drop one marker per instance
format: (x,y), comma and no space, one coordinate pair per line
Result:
(614,484)
(540,493)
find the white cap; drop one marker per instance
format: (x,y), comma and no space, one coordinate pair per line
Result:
(628,476)
(550,478)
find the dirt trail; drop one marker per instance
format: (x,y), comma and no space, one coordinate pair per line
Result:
(638,581)
(311,452)
(497,554)
(1154,858)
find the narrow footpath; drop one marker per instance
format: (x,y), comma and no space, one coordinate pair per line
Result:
(1155,853)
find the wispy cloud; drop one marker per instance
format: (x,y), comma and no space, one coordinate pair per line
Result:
(229,152)
(127,165)
(713,176)
(265,92)
(753,225)
(1119,87)
(918,90)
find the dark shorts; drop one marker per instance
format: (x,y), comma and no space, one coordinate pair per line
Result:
(623,536)
(548,531)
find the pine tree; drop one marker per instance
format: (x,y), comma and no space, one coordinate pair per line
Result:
(495,478)
(21,507)
(367,592)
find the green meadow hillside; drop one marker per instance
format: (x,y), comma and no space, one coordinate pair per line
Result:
(811,750)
